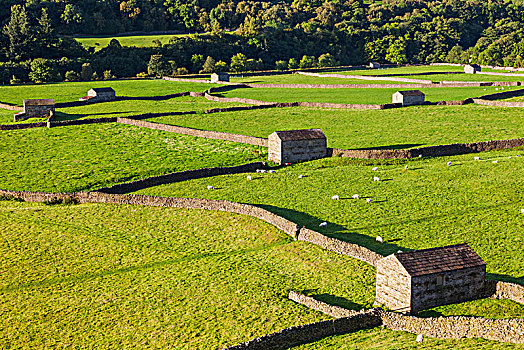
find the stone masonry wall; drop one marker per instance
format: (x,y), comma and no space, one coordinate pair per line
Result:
(181,176)
(11,107)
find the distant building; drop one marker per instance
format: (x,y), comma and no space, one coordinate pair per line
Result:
(413,281)
(472,68)
(37,108)
(409,98)
(218,77)
(374,65)
(99,94)
(294,146)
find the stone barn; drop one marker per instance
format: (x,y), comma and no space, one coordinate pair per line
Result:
(216,77)
(472,68)
(36,108)
(413,281)
(100,94)
(294,146)
(374,65)
(409,98)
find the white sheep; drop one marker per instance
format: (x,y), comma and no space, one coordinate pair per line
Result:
(379,239)
(420,338)
(495,161)
(300,176)
(272,171)
(518,155)
(369,200)
(399,251)
(262,171)
(336,197)
(376,178)
(355,196)
(420,155)
(258,171)
(449,163)
(210,188)
(322,224)
(375,168)
(249,177)
(522,211)
(510,157)
(477,158)
(406,167)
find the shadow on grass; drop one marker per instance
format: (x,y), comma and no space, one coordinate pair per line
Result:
(338,301)
(400,146)
(505,278)
(61,116)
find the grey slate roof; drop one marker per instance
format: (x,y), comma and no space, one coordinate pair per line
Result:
(411,93)
(306,134)
(40,102)
(103,89)
(440,259)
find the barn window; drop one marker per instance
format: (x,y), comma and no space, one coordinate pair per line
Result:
(440,280)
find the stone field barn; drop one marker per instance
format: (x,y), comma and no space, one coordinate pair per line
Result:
(413,281)
(409,98)
(294,146)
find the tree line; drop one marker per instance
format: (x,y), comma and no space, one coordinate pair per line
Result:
(266,35)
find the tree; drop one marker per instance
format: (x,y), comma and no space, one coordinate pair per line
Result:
(158,66)
(87,72)
(308,62)
(19,34)
(197,61)
(326,60)
(293,63)
(72,17)
(396,52)
(238,62)
(71,76)
(221,66)
(280,65)
(209,65)
(42,70)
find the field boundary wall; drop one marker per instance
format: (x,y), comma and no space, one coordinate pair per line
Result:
(11,107)
(137,185)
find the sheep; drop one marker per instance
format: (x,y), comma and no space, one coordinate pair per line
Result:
(477,158)
(399,251)
(322,224)
(376,178)
(210,188)
(420,155)
(249,177)
(406,167)
(336,197)
(420,338)
(495,161)
(522,211)
(300,176)
(369,200)
(510,157)
(518,155)
(272,171)
(449,163)
(262,171)
(379,239)
(355,196)
(375,168)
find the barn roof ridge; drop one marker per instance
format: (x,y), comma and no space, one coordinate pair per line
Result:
(303,134)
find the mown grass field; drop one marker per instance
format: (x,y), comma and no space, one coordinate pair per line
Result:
(86,157)
(99,42)
(65,92)
(304,79)
(351,128)
(353,95)
(131,276)
(430,204)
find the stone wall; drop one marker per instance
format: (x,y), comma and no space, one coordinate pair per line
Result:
(257,141)
(308,333)
(11,107)
(181,176)
(328,309)
(23,126)
(338,246)
(498,103)
(504,290)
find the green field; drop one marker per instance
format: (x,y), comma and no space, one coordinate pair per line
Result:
(514,99)
(304,79)
(130,276)
(99,42)
(402,70)
(431,204)
(353,95)
(65,92)
(86,157)
(352,128)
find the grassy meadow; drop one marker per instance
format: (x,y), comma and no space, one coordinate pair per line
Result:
(353,95)
(352,128)
(131,276)
(86,157)
(72,91)
(304,79)
(99,42)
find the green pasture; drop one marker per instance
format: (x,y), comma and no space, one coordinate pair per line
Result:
(514,99)
(86,157)
(402,70)
(383,339)
(99,42)
(428,205)
(353,95)
(132,276)
(352,128)
(72,91)
(303,79)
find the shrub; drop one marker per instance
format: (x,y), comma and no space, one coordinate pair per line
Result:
(71,76)
(142,75)
(108,75)
(181,71)
(280,65)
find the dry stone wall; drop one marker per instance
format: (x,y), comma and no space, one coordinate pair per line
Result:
(11,107)
(257,141)
(498,103)
(328,309)
(181,176)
